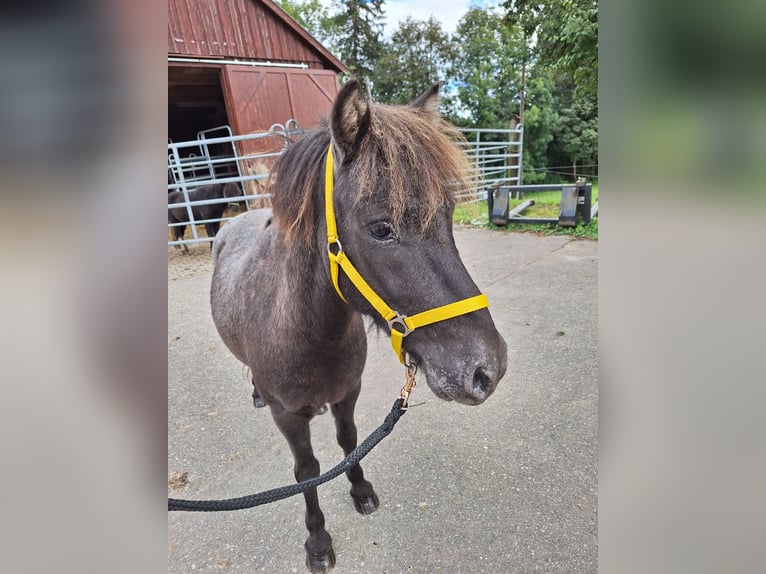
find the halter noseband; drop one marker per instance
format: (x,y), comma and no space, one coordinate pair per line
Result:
(400,325)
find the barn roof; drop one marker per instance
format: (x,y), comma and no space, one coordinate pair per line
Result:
(303,33)
(243,29)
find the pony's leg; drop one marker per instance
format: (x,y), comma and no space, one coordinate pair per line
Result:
(212,228)
(180,232)
(365,499)
(258,401)
(320,556)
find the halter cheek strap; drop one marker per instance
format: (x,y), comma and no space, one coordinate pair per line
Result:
(400,325)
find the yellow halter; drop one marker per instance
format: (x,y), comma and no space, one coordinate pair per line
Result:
(400,325)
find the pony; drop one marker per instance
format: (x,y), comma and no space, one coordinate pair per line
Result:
(211,211)
(298,325)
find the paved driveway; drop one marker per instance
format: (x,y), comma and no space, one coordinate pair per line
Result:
(509,486)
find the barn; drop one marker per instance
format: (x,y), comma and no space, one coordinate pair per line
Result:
(246,64)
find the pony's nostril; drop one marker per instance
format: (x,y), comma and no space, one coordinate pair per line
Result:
(481,382)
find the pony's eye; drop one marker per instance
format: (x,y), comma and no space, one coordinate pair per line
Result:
(382,230)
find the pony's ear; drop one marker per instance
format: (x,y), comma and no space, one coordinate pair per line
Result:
(350,119)
(428,103)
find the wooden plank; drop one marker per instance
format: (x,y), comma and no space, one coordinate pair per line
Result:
(246,29)
(258,97)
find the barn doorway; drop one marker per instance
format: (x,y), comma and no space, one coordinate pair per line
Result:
(197,113)
(195,101)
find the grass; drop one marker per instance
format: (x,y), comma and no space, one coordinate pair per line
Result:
(546,205)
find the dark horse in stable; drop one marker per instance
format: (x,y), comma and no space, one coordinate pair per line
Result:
(296,322)
(212,211)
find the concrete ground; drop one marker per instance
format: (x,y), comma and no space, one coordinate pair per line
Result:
(509,486)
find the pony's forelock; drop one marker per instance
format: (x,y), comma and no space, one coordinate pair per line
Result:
(419,167)
(417,164)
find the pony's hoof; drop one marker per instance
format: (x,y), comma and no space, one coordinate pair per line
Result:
(258,402)
(319,563)
(366,504)
(322,410)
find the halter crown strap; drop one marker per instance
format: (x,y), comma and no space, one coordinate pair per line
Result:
(332,228)
(400,325)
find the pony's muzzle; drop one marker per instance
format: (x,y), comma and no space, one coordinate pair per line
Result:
(482,384)
(453,376)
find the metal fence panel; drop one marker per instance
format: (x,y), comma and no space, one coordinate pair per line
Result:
(216,156)
(496,156)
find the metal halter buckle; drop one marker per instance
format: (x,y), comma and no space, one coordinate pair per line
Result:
(398,320)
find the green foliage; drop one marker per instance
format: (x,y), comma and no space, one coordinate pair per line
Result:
(589,231)
(525,14)
(313,16)
(546,205)
(575,140)
(415,57)
(562,133)
(485,71)
(573,44)
(567,35)
(542,53)
(358,29)
(540,123)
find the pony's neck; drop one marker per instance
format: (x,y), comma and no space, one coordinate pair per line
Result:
(323,315)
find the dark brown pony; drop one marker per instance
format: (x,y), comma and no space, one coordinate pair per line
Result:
(274,304)
(208,213)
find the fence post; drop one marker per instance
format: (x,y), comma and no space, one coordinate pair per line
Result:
(184,190)
(584,194)
(512,164)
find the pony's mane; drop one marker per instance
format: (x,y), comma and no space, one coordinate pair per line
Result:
(404,153)
(292,182)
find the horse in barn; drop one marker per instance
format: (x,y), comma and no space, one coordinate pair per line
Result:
(360,225)
(207,213)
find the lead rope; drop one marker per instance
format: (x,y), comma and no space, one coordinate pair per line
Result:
(351,460)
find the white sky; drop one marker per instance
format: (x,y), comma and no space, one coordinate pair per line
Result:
(448,12)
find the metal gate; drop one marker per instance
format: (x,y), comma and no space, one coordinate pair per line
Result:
(217,156)
(496,157)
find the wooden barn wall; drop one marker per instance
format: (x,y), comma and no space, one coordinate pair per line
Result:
(234,29)
(257,98)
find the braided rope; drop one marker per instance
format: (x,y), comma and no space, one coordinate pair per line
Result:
(275,494)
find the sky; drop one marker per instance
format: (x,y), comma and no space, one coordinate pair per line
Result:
(448,12)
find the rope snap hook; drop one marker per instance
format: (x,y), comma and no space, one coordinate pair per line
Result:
(410,370)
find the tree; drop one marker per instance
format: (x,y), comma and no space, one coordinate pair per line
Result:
(540,125)
(358,31)
(567,35)
(416,56)
(525,16)
(572,43)
(575,137)
(485,70)
(564,47)
(313,16)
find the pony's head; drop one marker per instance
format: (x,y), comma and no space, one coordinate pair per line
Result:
(396,171)
(232,190)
